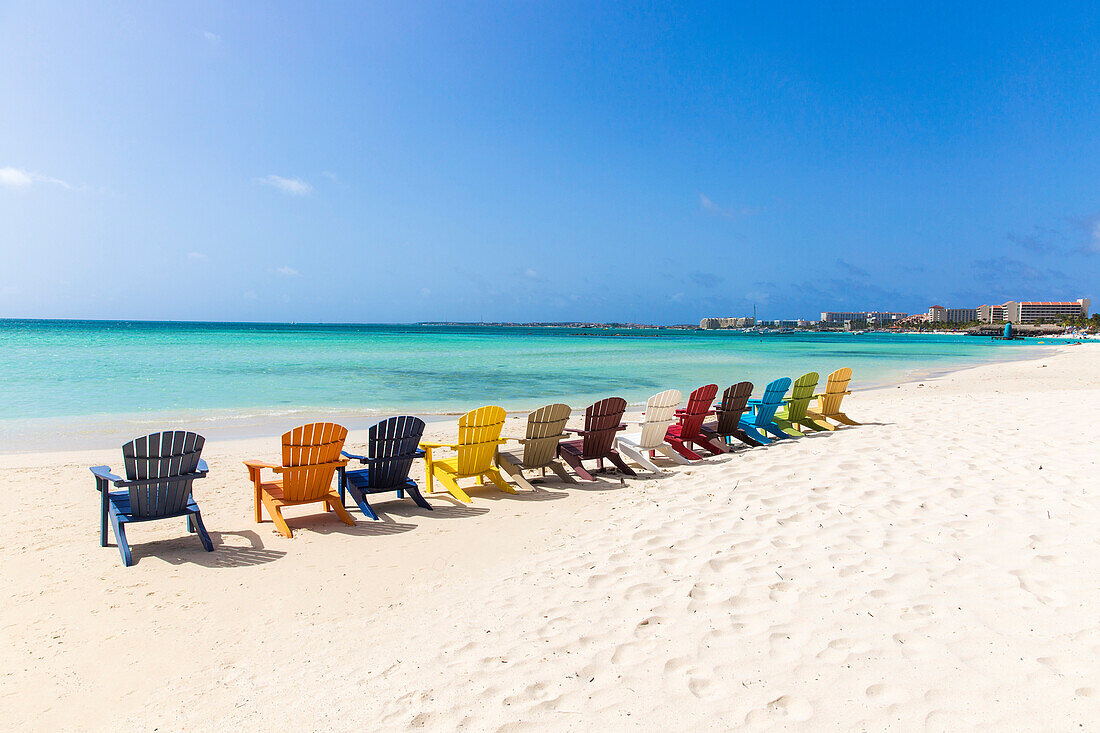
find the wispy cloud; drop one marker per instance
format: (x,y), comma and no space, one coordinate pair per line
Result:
(197,256)
(677,297)
(531,274)
(726,212)
(287,271)
(425,292)
(211,37)
(705,279)
(290,186)
(329,175)
(20,178)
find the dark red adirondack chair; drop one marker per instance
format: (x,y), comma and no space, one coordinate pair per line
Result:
(735,403)
(687,431)
(601,421)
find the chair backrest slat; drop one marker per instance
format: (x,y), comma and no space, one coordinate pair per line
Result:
(478,433)
(601,422)
(544,431)
(772,399)
(695,413)
(308,454)
(735,401)
(172,456)
(392,444)
(660,413)
(835,388)
(802,391)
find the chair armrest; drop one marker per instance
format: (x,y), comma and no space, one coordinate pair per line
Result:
(361,459)
(575,431)
(104,473)
(202,468)
(429,444)
(260,464)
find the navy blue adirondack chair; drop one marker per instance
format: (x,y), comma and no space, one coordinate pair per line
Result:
(160,469)
(392,446)
(761,418)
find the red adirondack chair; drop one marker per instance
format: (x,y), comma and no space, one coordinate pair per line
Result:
(688,430)
(601,421)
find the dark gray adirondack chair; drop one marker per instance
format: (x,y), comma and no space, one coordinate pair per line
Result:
(160,469)
(392,446)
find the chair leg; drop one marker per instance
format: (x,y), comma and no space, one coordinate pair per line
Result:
(277,517)
(496,478)
(259,500)
(819,420)
(514,472)
(575,462)
(559,469)
(418,498)
(679,447)
(755,435)
(672,455)
(638,457)
(360,500)
(842,418)
(452,486)
(104,506)
(332,501)
(195,519)
(120,537)
(620,464)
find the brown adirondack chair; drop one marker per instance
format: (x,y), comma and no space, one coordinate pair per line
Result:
(601,421)
(540,446)
(687,431)
(311,455)
(735,403)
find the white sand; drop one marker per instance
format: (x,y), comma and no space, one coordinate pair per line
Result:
(937,568)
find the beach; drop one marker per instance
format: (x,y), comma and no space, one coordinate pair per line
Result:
(935,568)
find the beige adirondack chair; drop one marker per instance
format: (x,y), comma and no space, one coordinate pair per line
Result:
(540,446)
(660,413)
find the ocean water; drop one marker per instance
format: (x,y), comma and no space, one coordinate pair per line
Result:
(86,382)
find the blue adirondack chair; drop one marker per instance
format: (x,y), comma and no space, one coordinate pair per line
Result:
(392,446)
(160,469)
(760,419)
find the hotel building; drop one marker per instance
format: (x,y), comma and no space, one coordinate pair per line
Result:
(872,318)
(1029,311)
(939,314)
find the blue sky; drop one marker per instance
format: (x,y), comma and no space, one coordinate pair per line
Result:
(544,161)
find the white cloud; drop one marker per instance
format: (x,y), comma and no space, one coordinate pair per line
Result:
(249,295)
(211,36)
(288,271)
(329,175)
(530,273)
(424,292)
(291,186)
(1094,245)
(677,297)
(197,257)
(725,212)
(19,178)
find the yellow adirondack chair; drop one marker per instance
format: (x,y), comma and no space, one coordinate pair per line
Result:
(828,403)
(311,455)
(476,449)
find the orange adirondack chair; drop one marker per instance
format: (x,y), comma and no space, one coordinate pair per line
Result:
(478,439)
(311,455)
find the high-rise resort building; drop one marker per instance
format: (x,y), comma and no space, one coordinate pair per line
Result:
(871,318)
(939,314)
(991,313)
(1029,311)
(742,322)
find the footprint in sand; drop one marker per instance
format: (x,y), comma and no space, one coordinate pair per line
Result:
(788,708)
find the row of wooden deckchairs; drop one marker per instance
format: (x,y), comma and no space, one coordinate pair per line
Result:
(161,468)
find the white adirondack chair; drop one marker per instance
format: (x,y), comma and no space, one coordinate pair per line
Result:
(660,412)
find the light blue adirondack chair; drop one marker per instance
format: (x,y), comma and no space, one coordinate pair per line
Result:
(760,419)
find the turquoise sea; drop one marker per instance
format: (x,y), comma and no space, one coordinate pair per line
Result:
(92,383)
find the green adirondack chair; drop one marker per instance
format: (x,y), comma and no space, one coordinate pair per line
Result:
(792,418)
